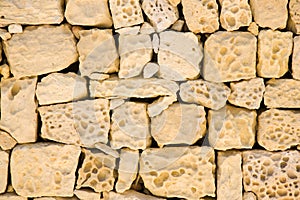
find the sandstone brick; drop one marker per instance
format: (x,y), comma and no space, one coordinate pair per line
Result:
(11,196)
(249,196)
(159,105)
(294,18)
(86,194)
(6,141)
(296,58)
(44,169)
(150,70)
(128,195)
(4,159)
(15,28)
(229,56)
(253,28)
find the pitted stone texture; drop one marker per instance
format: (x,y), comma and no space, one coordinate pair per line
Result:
(229,56)
(179,124)
(165,170)
(59,88)
(86,194)
(270,13)
(39,47)
(179,55)
(201,16)
(18,109)
(231,128)
(97,52)
(7,142)
(278,129)
(296,58)
(294,16)
(11,196)
(4,159)
(274,49)
(130,126)
(247,93)
(88,13)
(128,195)
(44,169)
(82,123)
(249,196)
(209,94)
(272,175)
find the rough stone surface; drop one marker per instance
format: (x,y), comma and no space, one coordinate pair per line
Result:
(150,70)
(4,159)
(249,196)
(11,196)
(294,17)
(253,28)
(33,176)
(296,58)
(6,141)
(229,56)
(128,195)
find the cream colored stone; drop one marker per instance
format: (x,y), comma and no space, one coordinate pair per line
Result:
(130,126)
(56,198)
(4,34)
(229,177)
(85,194)
(128,195)
(76,30)
(231,128)
(4,159)
(82,123)
(97,52)
(296,58)
(114,103)
(209,94)
(201,16)
(178,25)
(278,129)
(11,196)
(155,42)
(126,13)
(294,17)
(253,28)
(59,88)
(39,47)
(15,28)
(150,70)
(18,109)
(133,30)
(272,175)
(97,171)
(44,169)
(107,150)
(160,105)
(135,52)
(247,93)
(7,142)
(88,13)
(179,124)
(165,171)
(174,2)
(274,49)
(147,28)
(282,93)
(4,70)
(249,196)
(179,55)
(229,56)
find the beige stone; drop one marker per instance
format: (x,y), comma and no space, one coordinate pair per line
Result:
(4,34)
(249,196)
(44,169)
(155,42)
(133,30)
(107,150)
(128,195)
(126,13)
(7,142)
(209,94)
(147,28)
(229,56)
(114,103)
(229,175)
(296,58)
(75,30)
(82,123)
(165,171)
(294,17)
(86,194)
(130,126)
(59,88)
(179,55)
(179,124)
(4,159)
(247,93)
(225,127)
(150,70)
(4,70)
(40,46)
(274,49)
(11,196)
(159,105)
(161,13)
(253,28)
(178,25)
(278,129)
(272,175)
(0,52)
(97,52)
(18,109)
(97,171)
(174,2)
(282,93)
(15,28)
(88,13)
(201,16)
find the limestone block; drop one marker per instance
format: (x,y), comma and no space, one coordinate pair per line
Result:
(135,52)
(253,28)
(166,170)
(151,69)
(272,175)
(133,30)
(229,56)
(278,129)
(179,55)
(97,171)
(296,58)
(130,126)
(235,14)
(274,49)
(126,13)
(4,71)
(282,93)
(4,158)
(44,169)
(97,52)
(59,88)
(31,12)
(178,25)
(18,109)
(85,194)
(179,124)
(4,34)
(128,195)
(247,93)
(160,105)
(88,13)
(201,16)
(11,196)
(225,127)
(82,123)
(15,28)
(128,169)
(209,94)
(7,142)
(161,13)
(229,177)
(294,17)
(249,196)
(40,46)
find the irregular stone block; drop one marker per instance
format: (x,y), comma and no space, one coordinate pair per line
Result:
(253,28)
(11,196)
(296,58)
(87,194)
(4,159)
(249,196)
(155,42)
(128,195)
(4,71)
(150,70)
(159,105)
(4,34)
(178,25)
(294,17)
(15,28)
(6,141)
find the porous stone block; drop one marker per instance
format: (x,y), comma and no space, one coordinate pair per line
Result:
(6,141)
(296,58)
(294,17)
(128,195)
(4,159)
